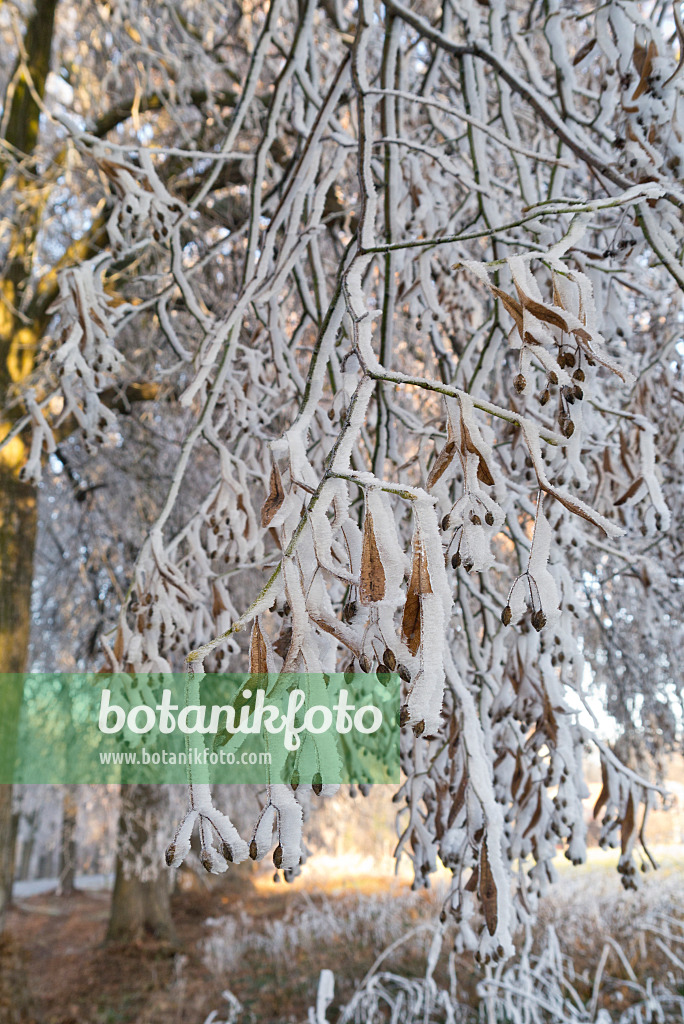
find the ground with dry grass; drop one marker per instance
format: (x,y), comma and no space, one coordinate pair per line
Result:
(267,944)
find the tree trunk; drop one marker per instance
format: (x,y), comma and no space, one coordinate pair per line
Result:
(18,517)
(5,850)
(67,845)
(141,905)
(22,873)
(18,500)
(24,113)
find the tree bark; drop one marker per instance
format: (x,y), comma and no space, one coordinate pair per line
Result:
(18,500)
(22,872)
(67,846)
(18,517)
(18,521)
(5,850)
(24,113)
(141,904)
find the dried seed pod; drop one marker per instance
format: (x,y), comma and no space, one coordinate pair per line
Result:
(468,564)
(253,851)
(389,659)
(538,620)
(419,728)
(364,663)
(578,375)
(227,852)
(294,779)
(519,383)
(475,519)
(205,859)
(404,716)
(445,523)
(349,611)
(383,673)
(278,856)
(317,784)
(545,397)
(404,673)
(170,854)
(578,393)
(506,615)
(553,377)
(568,428)
(489,519)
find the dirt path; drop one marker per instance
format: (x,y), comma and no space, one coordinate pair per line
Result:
(55,968)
